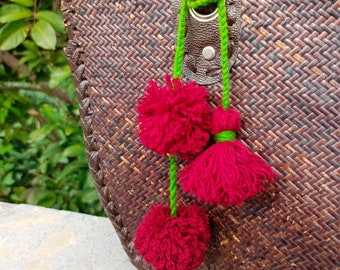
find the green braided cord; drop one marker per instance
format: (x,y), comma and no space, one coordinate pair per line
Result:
(225,136)
(199,3)
(178,61)
(173,186)
(224,39)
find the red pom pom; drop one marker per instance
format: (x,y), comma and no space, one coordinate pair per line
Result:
(174,119)
(225,120)
(168,242)
(227,172)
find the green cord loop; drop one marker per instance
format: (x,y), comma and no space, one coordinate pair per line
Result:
(224,40)
(225,136)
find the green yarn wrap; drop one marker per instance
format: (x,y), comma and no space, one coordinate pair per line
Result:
(225,136)
(177,73)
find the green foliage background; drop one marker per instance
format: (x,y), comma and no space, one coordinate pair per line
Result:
(42,156)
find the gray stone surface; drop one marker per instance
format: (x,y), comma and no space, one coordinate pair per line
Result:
(37,238)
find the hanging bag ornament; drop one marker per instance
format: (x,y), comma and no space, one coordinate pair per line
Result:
(227,173)
(175,120)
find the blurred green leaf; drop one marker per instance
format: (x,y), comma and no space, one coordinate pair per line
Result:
(25,3)
(46,198)
(12,12)
(67,170)
(71,130)
(39,134)
(90,196)
(44,35)
(35,63)
(30,54)
(50,113)
(31,46)
(27,56)
(74,150)
(59,75)
(51,150)
(13,34)
(3,115)
(62,159)
(17,194)
(43,168)
(5,148)
(8,179)
(54,19)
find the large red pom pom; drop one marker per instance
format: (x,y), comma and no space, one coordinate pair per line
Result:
(174,119)
(227,173)
(170,243)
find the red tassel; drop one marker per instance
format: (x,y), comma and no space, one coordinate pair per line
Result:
(227,173)
(169,242)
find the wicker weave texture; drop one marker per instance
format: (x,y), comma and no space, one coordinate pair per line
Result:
(285,84)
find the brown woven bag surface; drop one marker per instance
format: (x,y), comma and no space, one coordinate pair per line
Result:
(285,83)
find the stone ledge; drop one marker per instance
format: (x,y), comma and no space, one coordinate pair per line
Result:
(37,238)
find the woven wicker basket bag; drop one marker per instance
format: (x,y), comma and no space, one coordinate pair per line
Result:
(285,84)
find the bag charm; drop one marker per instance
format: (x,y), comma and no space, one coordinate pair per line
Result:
(176,119)
(227,173)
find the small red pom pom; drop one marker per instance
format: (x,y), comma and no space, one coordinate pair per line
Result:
(168,242)
(227,173)
(174,119)
(223,120)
